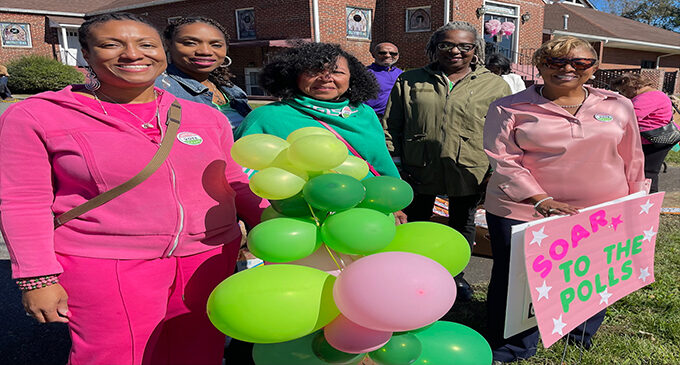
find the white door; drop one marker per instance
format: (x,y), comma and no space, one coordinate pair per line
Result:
(70,48)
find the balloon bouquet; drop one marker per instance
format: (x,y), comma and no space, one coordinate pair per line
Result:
(341,279)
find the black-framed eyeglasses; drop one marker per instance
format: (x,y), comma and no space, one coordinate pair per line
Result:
(384,53)
(463,47)
(580,64)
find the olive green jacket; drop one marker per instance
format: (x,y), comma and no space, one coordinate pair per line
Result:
(437,133)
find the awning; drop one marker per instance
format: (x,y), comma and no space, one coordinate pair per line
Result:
(281,43)
(64,21)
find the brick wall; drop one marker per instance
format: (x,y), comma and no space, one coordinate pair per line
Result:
(333,26)
(44,39)
(614,58)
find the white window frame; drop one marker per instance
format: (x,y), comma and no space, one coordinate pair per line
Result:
(517,22)
(249,87)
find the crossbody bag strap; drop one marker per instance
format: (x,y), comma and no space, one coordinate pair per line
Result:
(172,123)
(349,146)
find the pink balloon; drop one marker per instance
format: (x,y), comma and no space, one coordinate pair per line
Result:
(394,291)
(350,337)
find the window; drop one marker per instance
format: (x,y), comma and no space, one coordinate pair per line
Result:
(15,35)
(245,24)
(647,64)
(358,23)
(496,40)
(252,81)
(418,19)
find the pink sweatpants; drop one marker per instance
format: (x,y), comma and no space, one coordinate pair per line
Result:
(145,311)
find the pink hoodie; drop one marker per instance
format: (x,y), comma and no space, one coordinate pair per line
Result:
(56,153)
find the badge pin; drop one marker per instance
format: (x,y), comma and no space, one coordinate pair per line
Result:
(189,138)
(346,112)
(604,117)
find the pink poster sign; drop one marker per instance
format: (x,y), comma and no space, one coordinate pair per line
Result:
(578,265)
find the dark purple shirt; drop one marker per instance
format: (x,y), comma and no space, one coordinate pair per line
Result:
(386,78)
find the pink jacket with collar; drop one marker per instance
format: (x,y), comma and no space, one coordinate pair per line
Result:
(536,147)
(56,153)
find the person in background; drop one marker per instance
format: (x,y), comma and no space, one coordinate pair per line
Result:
(131,277)
(433,127)
(653,109)
(198,67)
(386,55)
(554,148)
(5,94)
(500,65)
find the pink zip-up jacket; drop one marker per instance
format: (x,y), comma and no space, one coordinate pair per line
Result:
(56,153)
(536,147)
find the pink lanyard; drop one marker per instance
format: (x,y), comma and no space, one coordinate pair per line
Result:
(349,146)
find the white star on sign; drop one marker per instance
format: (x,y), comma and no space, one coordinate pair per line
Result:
(538,237)
(645,207)
(604,297)
(543,291)
(644,273)
(649,234)
(559,325)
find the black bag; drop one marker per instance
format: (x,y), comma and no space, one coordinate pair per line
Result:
(668,134)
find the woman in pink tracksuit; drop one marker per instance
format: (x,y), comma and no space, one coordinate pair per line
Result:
(132,276)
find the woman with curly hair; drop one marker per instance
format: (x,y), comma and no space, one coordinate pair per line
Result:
(198,67)
(321,85)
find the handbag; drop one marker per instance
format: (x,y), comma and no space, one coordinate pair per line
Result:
(668,134)
(172,123)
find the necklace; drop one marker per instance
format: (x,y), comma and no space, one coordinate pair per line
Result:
(540,92)
(145,124)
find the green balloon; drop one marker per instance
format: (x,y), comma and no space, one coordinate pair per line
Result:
(295,206)
(273,303)
(284,239)
(434,240)
(453,343)
(333,192)
(270,213)
(386,194)
(297,352)
(358,231)
(324,351)
(401,349)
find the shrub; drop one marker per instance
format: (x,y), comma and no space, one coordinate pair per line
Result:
(33,74)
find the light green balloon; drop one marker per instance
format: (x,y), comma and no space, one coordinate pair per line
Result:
(275,183)
(437,241)
(453,343)
(284,239)
(257,151)
(317,152)
(358,231)
(273,303)
(354,167)
(308,131)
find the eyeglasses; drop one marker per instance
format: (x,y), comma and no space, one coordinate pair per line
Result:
(384,53)
(581,64)
(463,47)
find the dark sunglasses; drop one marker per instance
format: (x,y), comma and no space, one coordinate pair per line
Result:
(557,63)
(463,47)
(384,53)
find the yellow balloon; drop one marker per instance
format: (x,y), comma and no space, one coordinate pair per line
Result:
(354,167)
(281,161)
(317,152)
(308,131)
(275,183)
(257,151)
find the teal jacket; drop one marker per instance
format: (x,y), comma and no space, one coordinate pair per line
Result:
(359,126)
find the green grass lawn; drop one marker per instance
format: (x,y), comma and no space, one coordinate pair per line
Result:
(642,328)
(673,158)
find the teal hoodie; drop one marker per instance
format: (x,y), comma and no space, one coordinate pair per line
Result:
(357,124)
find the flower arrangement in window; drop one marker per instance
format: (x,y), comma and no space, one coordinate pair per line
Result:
(498,29)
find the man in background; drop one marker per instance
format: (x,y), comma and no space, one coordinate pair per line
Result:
(386,55)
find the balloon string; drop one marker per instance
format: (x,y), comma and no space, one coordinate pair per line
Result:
(333,258)
(316,219)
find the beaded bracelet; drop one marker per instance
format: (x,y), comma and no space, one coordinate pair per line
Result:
(541,201)
(37,282)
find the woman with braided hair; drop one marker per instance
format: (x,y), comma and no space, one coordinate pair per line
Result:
(198,67)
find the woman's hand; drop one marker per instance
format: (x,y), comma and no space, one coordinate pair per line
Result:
(46,304)
(549,206)
(400,217)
